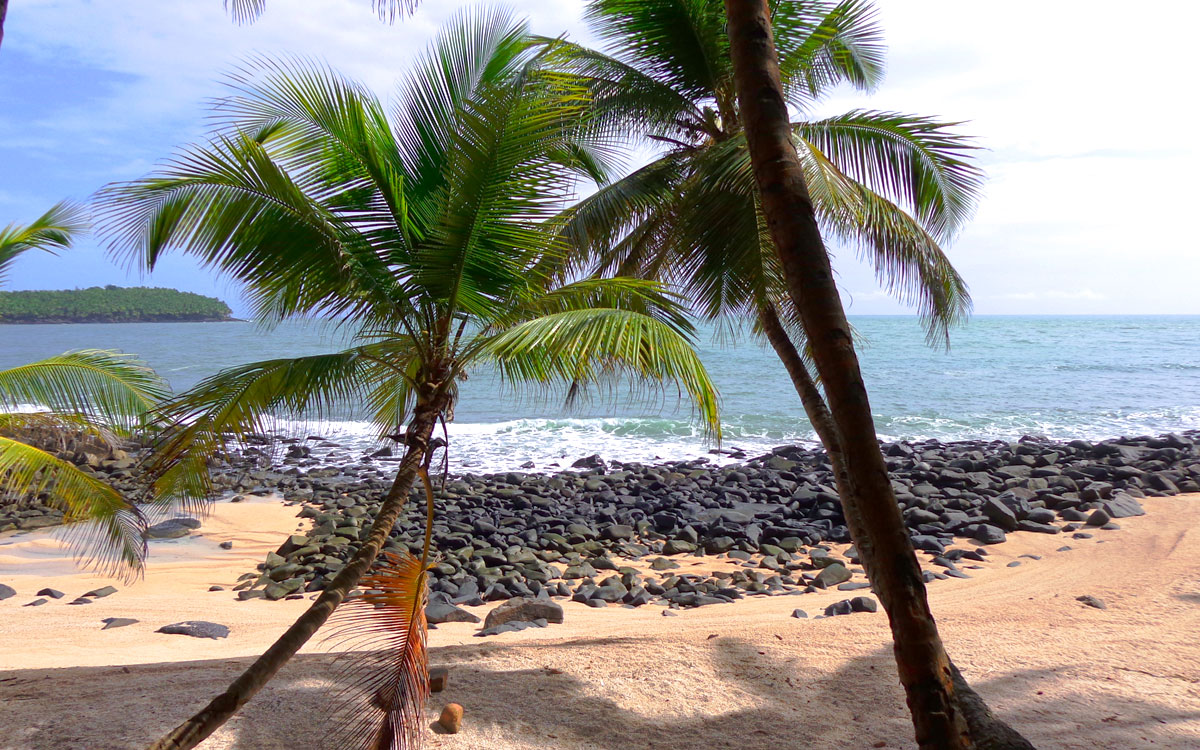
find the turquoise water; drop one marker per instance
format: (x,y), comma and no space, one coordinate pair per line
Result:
(1061,377)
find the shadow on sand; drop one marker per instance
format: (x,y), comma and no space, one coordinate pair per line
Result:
(765,698)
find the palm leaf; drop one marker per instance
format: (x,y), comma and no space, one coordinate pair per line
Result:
(226,407)
(312,119)
(249,11)
(238,210)
(680,43)
(53,230)
(621,93)
(508,178)
(104,531)
(110,388)
(584,348)
(823,44)
(917,162)
(384,631)
(594,226)
(475,50)
(908,260)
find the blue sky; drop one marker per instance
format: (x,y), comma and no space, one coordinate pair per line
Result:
(1089,184)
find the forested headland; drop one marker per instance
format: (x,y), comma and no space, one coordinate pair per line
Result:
(110,304)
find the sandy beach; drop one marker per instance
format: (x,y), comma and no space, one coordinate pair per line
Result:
(742,675)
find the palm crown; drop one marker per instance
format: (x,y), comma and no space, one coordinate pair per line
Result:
(430,235)
(894,186)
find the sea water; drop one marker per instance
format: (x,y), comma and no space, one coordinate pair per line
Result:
(1061,377)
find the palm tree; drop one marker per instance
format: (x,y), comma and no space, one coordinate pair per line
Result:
(95,395)
(893,186)
(431,236)
(947,714)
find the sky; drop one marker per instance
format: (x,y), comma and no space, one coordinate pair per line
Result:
(1080,109)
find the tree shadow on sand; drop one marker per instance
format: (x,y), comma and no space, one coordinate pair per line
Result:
(763,697)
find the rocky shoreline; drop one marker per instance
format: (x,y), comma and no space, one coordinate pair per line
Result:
(605,533)
(612,534)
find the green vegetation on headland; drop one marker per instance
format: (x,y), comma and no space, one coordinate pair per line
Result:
(110,304)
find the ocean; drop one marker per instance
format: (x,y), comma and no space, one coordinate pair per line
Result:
(1061,377)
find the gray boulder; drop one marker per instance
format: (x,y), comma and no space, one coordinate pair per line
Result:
(1122,505)
(196,629)
(524,609)
(171,529)
(999,514)
(864,604)
(832,576)
(439,612)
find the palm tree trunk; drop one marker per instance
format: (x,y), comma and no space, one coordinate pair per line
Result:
(3,13)
(810,396)
(193,731)
(822,421)
(924,668)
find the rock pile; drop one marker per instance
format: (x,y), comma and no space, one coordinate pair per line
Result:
(570,534)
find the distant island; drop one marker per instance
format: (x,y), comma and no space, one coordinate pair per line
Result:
(111,304)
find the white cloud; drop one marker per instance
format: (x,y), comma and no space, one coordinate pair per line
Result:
(1082,107)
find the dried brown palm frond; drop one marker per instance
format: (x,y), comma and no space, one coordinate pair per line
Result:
(386,675)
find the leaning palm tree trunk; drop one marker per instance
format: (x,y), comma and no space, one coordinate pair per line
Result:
(940,715)
(822,421)
(810,396)
(193,731)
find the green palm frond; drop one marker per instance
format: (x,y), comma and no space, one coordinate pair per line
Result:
(110,388)
(620,92)
(917,162)
(236,402)
(909,264)
(643,296)
(236,209)
(104,531)
(597,223)
(908,261)
(478,49)
(681,43)
(54,230)
(249,11)
(728,266)
(310,118)
(584,348)
(507,171)
(823,44)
